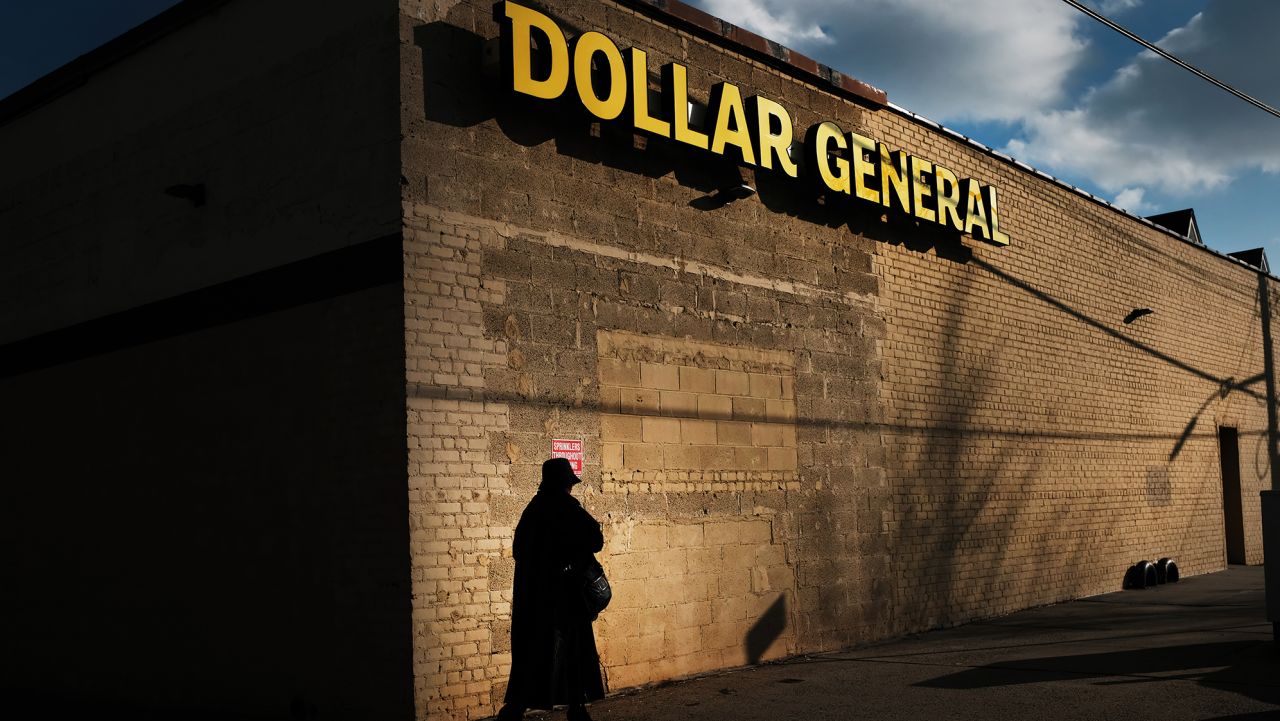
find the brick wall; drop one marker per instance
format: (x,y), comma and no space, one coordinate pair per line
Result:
(572,261)
(678,415)
(1038,445)
(291,129)
(974,429)
(684,417)
(806,425)
(458,470)
(205,467)
(211,522)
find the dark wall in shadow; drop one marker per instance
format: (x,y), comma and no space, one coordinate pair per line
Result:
(452,71)
(212,521)
(292,129)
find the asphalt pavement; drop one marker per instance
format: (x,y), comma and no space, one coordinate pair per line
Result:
(1198,649)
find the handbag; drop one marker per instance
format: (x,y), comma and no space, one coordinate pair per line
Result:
(587,581)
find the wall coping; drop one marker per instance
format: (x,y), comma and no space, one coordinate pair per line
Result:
(675,12)
(1010,160)
(68,77)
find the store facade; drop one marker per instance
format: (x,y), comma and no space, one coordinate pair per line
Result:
(833,373)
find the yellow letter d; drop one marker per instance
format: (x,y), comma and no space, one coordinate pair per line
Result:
(518,23)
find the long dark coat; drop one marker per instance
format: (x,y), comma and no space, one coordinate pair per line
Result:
(553,652)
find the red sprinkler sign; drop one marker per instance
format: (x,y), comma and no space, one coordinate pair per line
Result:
(569,449)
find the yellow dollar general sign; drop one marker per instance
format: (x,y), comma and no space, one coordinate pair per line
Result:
(611,84)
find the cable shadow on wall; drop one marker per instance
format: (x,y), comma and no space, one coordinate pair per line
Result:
(458,92)
(961,419)
(467,99)
(426,391)
(1225,385)
(1112,332)
(952,424)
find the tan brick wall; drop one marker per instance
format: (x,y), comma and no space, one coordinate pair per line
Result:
(701,566)
(456,472)
(1038,445)
(974,429)
(688,593)
(679,415)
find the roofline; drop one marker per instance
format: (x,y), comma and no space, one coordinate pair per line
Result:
(681,15)
(75,73)
(703,24)
(1010,160)
(1188,209)
(676,13)
(72,75)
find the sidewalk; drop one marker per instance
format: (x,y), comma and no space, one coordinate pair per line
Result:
(1200,649)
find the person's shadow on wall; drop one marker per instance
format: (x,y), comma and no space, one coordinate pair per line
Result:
(766,630)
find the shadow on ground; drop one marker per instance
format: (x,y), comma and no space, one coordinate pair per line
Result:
(1249,667)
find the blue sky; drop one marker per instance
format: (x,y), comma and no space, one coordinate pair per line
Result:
(1035,78)
(37,37)
(1054,88)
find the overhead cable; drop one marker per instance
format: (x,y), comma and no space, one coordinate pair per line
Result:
(1184,65)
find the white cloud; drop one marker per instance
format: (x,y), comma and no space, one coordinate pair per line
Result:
(1131,200)
(1152,131)
(1110,7)
(1154,126)
(977,60)
(783,25)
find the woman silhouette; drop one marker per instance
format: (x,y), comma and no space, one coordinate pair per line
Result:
(553,651)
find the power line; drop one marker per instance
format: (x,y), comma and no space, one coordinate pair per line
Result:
(1184,65)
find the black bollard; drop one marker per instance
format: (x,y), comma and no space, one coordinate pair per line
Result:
(1141,575)
(1149,569)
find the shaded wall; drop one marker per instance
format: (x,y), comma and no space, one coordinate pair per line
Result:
(203,402)
(212,521)
(285,114)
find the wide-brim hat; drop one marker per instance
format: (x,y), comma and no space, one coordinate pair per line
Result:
(559,472)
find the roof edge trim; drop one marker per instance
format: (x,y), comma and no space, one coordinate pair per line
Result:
(1008,160)
(699,22)
(75,73)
